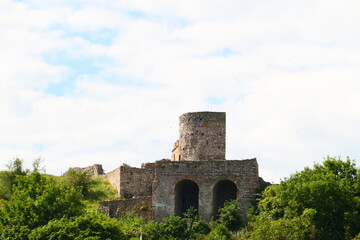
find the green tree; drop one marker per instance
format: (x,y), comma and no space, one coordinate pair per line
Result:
(196,226)
(37,165)
(174,227)
(79,180)
(171,228)
(8,178)
(230,215)
(265,227)
(218,232)
(37,199)
(332,189)
(15,168)
(191,226)
(131,224)
(88,226)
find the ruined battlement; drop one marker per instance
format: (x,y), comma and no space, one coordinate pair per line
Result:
(94,170)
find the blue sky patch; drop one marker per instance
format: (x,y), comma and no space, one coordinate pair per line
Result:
(223,52)
(227,52)
(103,36)
(76,67)
(127,80)
(137,15)
(215,100)
(39,147)
(171,22)
(61,88)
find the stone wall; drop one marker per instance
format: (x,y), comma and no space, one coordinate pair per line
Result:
(117,208)
(132,182)
(94,170)
(205,174)
(114,178)
(175,154)
(201,137)
(135,182)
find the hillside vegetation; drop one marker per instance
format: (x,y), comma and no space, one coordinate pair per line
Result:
(322,202)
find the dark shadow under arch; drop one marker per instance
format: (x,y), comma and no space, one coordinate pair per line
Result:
(186,195)
(223,191)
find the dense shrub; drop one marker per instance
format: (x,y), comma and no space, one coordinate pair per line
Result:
(79,180)
(37,199)
(88,226)
(230,215)
(331,189)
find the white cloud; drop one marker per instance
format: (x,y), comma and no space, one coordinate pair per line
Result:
(286,73)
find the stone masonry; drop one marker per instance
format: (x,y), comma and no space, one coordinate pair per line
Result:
(202,137)
(235,180)
(94,170)
(132,182)
(198,175)
(117,208)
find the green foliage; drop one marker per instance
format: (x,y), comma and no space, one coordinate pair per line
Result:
(196,226)
(265,227)
(174,227)
(152,231)
(131,224)
(125,165)
(14,232)
(7,181)
(357,237)
(88,226)
(100,190)
(230,215)
(218,232)
(79,180)
(8,178)
(37,165)
(191,226)
(16,167)
(331,189)
(37,199)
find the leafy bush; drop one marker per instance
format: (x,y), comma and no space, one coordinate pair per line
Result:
(8,178)
(218,232)
(37,199)
(131,224)
(264,227)
(230,215)
(191,226)
(332,189)
(174,227)
(79,180)
(14,232)
(88,226)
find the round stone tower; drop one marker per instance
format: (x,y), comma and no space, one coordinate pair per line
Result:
(202,137)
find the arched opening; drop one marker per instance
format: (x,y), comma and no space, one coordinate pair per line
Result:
(186,195)
(223,191)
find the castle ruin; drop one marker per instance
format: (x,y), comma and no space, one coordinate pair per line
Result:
(197,175)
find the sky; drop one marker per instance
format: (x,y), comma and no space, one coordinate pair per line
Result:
(105,81)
